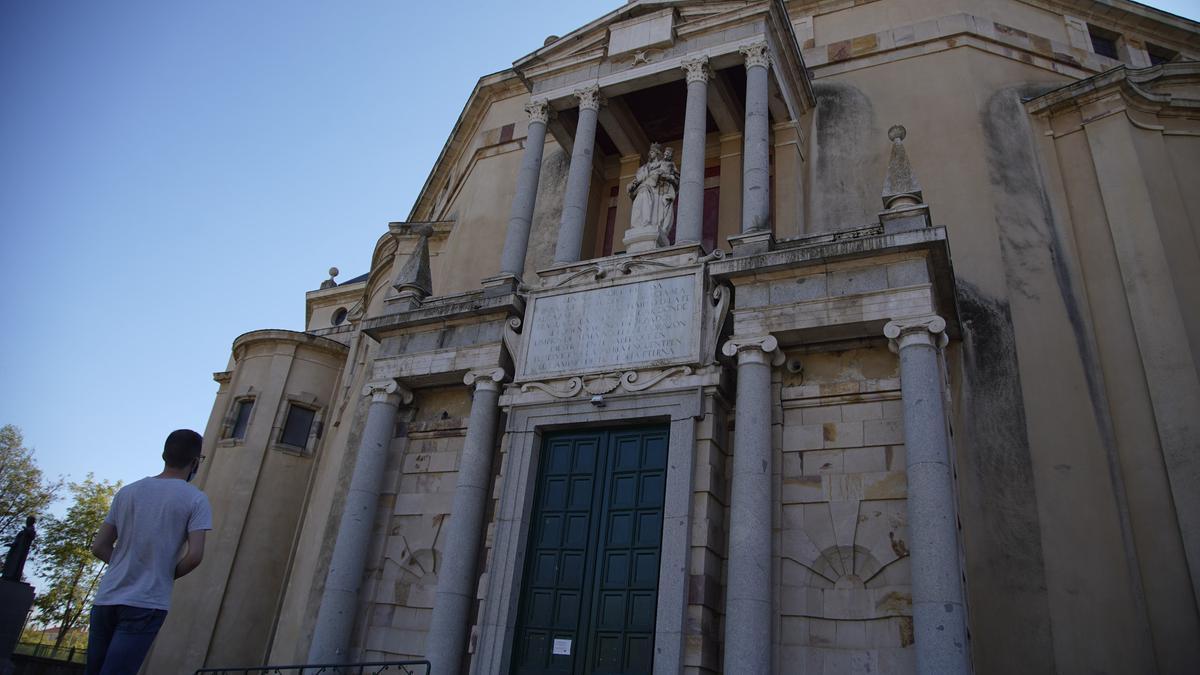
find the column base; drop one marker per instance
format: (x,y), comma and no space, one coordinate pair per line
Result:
(642,239)
(750,243)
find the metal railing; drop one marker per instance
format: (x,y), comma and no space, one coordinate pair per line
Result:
(72,654)
(372,668)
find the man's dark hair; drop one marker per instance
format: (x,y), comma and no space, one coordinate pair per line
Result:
(182,446)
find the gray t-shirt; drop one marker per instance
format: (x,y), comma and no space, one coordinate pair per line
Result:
(153,517)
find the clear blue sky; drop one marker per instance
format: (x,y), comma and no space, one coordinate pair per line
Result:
(176,173)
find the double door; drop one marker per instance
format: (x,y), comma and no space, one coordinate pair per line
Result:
(591,572)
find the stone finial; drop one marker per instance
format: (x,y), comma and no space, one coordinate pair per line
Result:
(900,187)
(903,205)
(330,283)
(414,280)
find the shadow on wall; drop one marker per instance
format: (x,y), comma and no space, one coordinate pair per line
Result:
(847,140)
(997,491)
(552,185)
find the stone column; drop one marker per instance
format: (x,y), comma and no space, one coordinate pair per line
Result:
(756,157)
(689,225)
(579,178)
(516,239)
(748,593)
(939,616)
(448,629)
(339,601)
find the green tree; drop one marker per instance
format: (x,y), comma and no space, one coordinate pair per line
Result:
(65,560)
(24,491)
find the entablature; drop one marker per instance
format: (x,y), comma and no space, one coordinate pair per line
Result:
(840,286)
(443,339)
(646,43)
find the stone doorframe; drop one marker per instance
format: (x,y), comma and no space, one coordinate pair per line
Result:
(526,426)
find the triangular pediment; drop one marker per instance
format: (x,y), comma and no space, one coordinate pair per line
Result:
(635,30)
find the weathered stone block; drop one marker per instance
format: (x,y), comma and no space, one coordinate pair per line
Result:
(870,410)
(821,414)
(852,635)
(821,462)
(793,466)
(794,630)
(822,633)
(857,280)
(754,295)
(802,489)
(844,434)
(809,287)
(883,432)
(864,460)
(803,437)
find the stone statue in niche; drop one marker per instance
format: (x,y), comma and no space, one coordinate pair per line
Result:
(653,190)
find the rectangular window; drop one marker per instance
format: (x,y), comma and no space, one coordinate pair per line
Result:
(1160,55)
(297,426)
(241,418)
(1104,42)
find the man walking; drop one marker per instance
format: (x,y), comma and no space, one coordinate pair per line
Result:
(147,527)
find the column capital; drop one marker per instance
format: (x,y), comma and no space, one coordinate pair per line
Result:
(756,55)
(696,69)
(539,111)
(754,349)
(589,97)
(387,391)
(928,330)
(488,378)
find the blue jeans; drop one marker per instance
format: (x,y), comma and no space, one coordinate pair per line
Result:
(119,638)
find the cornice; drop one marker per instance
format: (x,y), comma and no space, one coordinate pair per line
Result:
(254,337)
(1126,16)
(489,89)
(1136,86)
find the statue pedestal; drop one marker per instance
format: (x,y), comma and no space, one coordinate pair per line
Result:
(642,239)
(15,600)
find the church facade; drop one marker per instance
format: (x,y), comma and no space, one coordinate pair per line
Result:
(821,336)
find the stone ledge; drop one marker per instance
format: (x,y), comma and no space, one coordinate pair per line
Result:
(437,310)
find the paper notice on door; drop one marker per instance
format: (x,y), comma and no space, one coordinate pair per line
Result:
(562,647)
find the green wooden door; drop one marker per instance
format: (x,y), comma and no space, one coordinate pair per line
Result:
(591,573)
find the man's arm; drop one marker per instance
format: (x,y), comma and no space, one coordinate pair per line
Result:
(102,543)
(195,553)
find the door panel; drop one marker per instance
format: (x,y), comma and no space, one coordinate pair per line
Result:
(591,577)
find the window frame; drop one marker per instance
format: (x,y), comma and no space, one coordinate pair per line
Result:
(226,438)
(315,430)
(1104,34)
(235,415)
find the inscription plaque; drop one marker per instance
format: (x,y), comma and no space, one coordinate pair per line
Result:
(614,328)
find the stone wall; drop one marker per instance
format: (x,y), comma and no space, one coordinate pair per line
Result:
(843,567)
(406,554)
(710,504)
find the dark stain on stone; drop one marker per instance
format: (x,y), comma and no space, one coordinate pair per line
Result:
(997,475)
(1009,30)
(552,184)
(1032,245)
(906,631)
(898,545)
(850,146)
